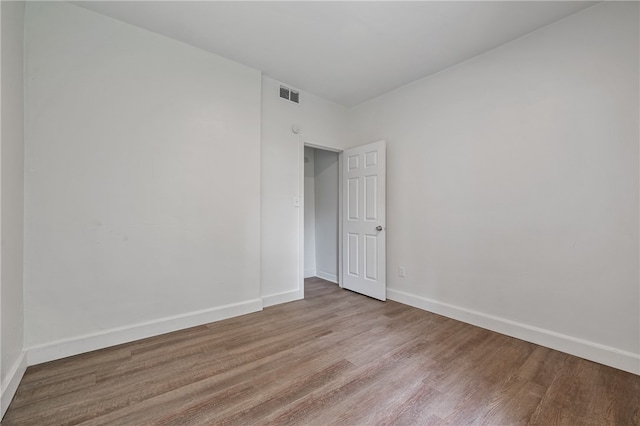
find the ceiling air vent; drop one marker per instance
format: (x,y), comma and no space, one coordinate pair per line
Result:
(290,94)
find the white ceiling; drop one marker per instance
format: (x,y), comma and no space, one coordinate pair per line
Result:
(347,52)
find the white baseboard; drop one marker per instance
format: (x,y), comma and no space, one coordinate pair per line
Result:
(309,273)
(602,354)
(329,277)
(10,385)
(116,336)
(287,296)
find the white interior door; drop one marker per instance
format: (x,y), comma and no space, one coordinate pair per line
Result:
(363,222)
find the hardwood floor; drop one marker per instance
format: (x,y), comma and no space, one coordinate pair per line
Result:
(334,358)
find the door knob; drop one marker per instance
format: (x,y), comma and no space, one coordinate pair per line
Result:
(379,228)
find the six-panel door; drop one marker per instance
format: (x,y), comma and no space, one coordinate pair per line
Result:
(364,243)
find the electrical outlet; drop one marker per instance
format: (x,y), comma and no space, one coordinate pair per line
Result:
(401,271)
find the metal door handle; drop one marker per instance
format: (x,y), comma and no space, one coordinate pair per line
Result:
(379,228)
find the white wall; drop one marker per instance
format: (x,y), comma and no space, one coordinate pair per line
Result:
(12,361)
(309,213)
(142,183)
(321,123)
(326,214)
(513,186)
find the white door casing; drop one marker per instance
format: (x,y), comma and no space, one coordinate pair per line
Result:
(364,220)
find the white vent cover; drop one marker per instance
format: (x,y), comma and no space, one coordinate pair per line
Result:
(289,94)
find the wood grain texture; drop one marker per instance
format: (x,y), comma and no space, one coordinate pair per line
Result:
(334,358)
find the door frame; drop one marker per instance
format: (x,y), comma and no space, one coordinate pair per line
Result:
(313,144)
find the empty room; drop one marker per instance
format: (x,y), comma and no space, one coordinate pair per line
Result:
(318,213)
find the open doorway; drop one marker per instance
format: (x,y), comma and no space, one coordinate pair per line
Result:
(321,214)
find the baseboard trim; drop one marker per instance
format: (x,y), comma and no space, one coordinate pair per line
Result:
(10,386)
(596,352)
(116,336)
(309,273)
(329,277)
(284,297)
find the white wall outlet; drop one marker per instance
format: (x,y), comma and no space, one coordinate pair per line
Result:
(401,271)
(296,201)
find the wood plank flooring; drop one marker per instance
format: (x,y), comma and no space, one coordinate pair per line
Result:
(334,358)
